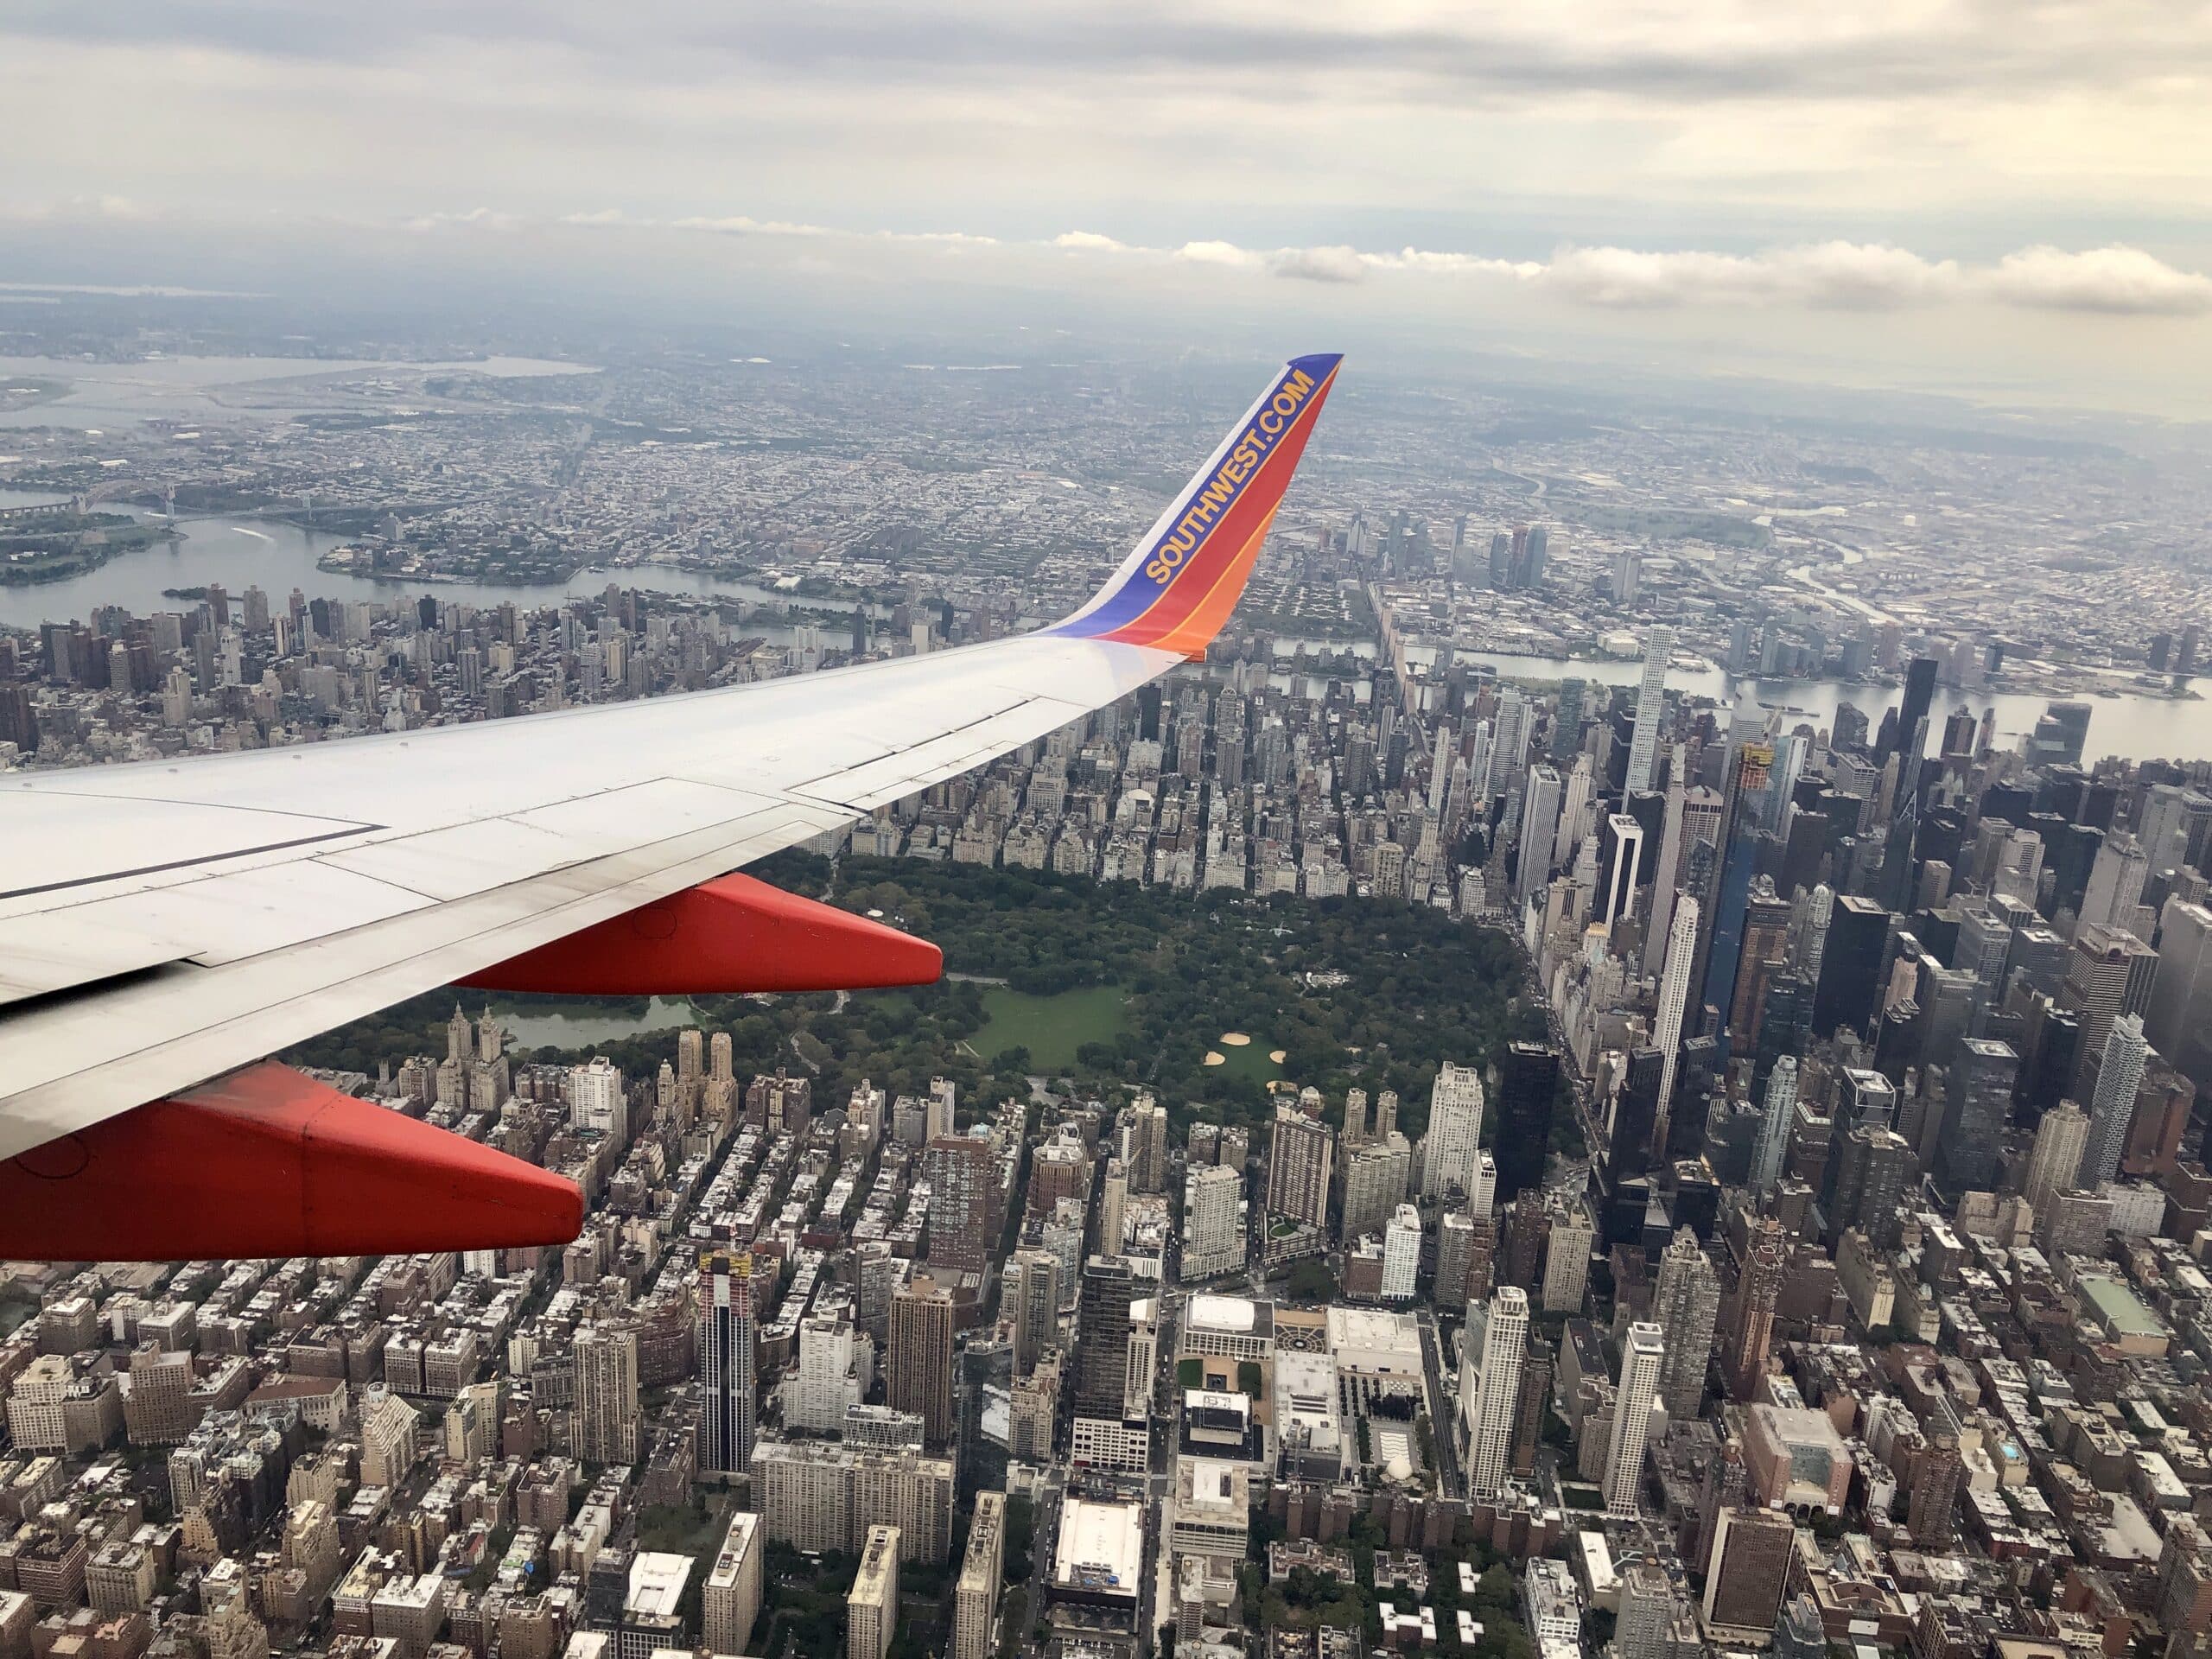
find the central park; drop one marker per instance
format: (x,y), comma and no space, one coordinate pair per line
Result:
(1063,979)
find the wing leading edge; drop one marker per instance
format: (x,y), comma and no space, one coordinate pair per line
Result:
(478,844)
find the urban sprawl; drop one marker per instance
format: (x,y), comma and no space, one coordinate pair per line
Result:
(1831,1276)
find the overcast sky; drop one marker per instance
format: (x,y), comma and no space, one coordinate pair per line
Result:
(2005,198)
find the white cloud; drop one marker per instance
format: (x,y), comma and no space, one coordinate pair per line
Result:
(1855,276)
(2122,280)
(120,207)
(956,238)
(1330,264)
(2113,280)
(1456,264)
(1836,275)
(476,218)
(1216,253)
(739,224)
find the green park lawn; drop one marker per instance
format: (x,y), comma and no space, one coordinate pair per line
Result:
(1249,1061)
(1050,1027)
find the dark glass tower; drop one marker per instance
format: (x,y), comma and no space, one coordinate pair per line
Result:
(1527,1083)
(726,1338)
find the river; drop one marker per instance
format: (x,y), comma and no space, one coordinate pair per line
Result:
(280,556)
(239,553)
(2128,724)
(214,389)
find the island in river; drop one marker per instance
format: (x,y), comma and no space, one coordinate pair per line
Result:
(52,543)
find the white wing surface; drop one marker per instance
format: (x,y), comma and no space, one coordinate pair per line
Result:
(164,924)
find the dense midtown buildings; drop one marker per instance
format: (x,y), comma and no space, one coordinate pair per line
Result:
(1814,1256)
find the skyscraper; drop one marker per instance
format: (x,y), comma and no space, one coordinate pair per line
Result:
(920,1368)
(976,1596)
(1732,876)
(2110,973)
(1750,1326)
(1919,695)
(1674,1000)
(2116,878)
(1935,1492)
(1874,1175)
(1526,1088)
(1147,1148)
(1300,1157)
(1633,1140)
(1667,866)
(962,1173)
(1566,1254)
(1030,1297)
(2111,1108)
(1496,1342)
(725,1360)
(730,1601)
(2178,1018)
(1643,747)
(1642,1356)
(1764,941)
(1654,1622)
(606,1394)
(1455,1131)
(1101,1351)
(1772,1145)
(1982,1106)
(1750,1563)
(1574,805)
(1375,1182)
(1113,1206)
(1685,1305)
(1213,1220)
(872,1605)
(1540,821)
(2060,1140)
(1620,868)
(1844,991)
(827,1380)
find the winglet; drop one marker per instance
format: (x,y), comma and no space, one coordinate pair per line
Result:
(1178,586)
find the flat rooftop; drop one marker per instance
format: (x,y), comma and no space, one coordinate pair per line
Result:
(657,1583)
(1237,1314)
(2118,1306)
(1100,1546)
(1372,1340)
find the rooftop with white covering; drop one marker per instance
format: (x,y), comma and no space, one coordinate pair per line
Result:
(1101,1549)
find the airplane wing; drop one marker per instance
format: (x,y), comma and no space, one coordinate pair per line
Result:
(165,925)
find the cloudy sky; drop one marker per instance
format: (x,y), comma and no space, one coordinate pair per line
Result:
(2002,197)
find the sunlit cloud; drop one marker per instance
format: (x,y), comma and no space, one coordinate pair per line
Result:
(1088,242)
(2121,281)
(1216,253)
(476,218)
(1834,274)
(1330,264)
